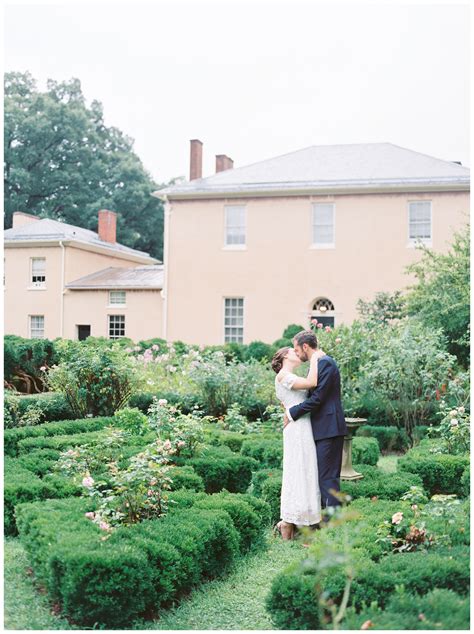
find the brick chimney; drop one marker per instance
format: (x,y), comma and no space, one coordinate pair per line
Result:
(108,226)
(223,162)
(21,218)
(195,167)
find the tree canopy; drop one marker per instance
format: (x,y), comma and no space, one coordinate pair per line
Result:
(62,162)
(441,295)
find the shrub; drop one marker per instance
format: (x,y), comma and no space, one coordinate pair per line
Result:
(220,468)
(271,493)
(57,442)
(187,403)
(231,439)
(259,351)
(260,477)
(185,478)
(96,381)
(440,473)
(293,602)
(131,419)
(23,360)
(139,568)
(439,609)
(365,450)
(39,461)
(12,437)
(466,482)
(390,438)
(51,406)
(292,330)
(385,486)
(267,452)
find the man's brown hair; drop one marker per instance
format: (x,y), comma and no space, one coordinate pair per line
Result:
(306,336)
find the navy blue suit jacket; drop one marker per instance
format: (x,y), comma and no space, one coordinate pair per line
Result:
(324,403)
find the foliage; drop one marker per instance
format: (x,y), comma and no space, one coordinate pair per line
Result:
(95,381)
(440,296)
(384,309)
(12,437)
(437,610)
(268,452)
(139,568)
(379,485)
(259,351)
(405,532)
(388,438)
(454,430)
(48,407)
(184,430)
(440,473)
(24,360)
(63,162)
(221,468)
(135,493)
(185,478)
(365,450)
(292,330)
(232,439)
(131,419)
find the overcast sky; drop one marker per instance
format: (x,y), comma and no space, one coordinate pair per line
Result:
(255,80)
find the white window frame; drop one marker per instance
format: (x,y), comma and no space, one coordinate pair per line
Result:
(231,246)
(413,242)
(323,245)
(233,326)
(37,285)
(115,304)
(35,329)
(108,327)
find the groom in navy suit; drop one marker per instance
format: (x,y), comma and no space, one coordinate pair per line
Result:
(327,417)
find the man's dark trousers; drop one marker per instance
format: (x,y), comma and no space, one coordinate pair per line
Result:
(329,453)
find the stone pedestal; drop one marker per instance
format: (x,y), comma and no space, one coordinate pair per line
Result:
(347,470)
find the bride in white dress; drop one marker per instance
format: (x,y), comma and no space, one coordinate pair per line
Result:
(300,494)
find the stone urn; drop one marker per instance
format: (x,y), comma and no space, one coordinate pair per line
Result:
(347,470)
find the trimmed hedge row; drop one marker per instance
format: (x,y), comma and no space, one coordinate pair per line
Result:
(386,486)
(267,452)
(220,468)
(391,438)
(12,437)
(440,473)
(294,597)
(377,574)
(365,451)
(139,568)
(21,485)
(52,405)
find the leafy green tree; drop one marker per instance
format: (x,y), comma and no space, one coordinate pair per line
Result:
(62,162)
(441,295)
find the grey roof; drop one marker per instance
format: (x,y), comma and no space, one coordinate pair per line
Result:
(47,229)
(113,277)
(331,168)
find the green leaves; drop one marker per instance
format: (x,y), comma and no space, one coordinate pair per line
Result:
(63,162)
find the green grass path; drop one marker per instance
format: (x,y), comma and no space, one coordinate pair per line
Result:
(235,602)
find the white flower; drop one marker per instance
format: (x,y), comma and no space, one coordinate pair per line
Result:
(462,410)
(454,422)
(162,401)
(43,368)
(397,518)
(453,412)
(88,482)
(150,382)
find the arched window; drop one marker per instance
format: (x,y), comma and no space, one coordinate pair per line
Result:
(322,309)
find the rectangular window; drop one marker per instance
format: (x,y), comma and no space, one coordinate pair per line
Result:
(234,319)
(323,225)
(38,271)
(36,326)
(419,220)
(116,326)
(117,298)
(234,225)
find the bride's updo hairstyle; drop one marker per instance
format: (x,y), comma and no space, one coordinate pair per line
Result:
(277,361)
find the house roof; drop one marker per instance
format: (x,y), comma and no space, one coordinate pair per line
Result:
(113,277)
(49,230)
(330,168)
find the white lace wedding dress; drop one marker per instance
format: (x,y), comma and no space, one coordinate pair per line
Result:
(300,494)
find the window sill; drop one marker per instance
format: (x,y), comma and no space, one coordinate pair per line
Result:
(323,246)
(234,247)
(36,288)
(412,244)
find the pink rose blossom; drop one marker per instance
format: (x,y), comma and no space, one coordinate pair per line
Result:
(104,526)
(155,347)
(366,625)
(397,518)
(167,444)
(314,321)
(338,340)
(319,325)
(88,482)
(162,401)
(90,515)
(149,493)
(181,443)
(328,329)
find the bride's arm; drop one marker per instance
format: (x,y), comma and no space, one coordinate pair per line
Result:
(312,378)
